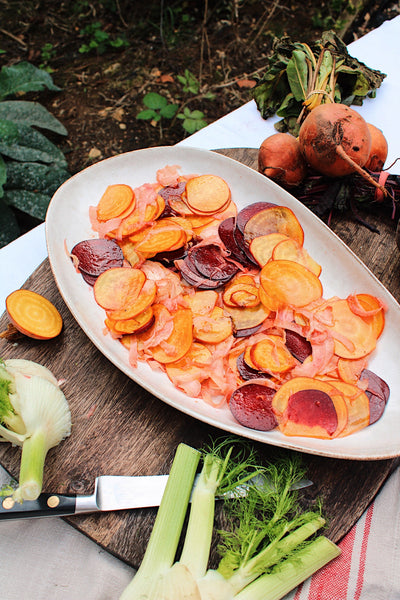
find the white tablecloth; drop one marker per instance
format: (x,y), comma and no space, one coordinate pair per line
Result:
(47,558)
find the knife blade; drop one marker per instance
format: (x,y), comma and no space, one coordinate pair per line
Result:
(111,492)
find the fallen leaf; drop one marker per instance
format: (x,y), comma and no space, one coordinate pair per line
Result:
(167,78)
(246,83)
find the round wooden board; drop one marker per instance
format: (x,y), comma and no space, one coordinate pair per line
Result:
(121,429)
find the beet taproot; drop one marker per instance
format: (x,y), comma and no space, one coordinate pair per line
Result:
(280,158)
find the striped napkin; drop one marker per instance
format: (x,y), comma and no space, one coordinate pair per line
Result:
(368,567)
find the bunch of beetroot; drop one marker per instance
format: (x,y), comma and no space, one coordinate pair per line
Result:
(334,142)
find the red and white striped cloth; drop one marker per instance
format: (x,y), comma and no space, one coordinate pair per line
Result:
(368,567)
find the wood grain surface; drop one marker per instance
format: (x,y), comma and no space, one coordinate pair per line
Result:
(121,429)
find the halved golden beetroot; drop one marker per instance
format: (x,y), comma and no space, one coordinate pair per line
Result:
(289,249)
(274,219)
(180,340)
(353,336)
(287,283)
(310,408)
(117,286)
(212,328)
(271,355)
(207,194)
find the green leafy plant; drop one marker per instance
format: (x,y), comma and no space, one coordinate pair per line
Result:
(31,166)
(100,40)
(47,53)
(192,120)
(157,107)
(189,82)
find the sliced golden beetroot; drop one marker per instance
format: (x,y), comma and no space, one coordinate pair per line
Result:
(310,408)
(271,355)
(288,283)
(241,295)
(370,309)
(129,252)
(139,219)
(180,340)
(350,369)
(117,286)
(136,324)
(136,304)
(162,236)
(275,219)
(354,338)
(190,368)
(247,320)
(263,246)
(246,372)
(248,359)
(289,249)
(249,211)
(251,405)
(116,201)
(357,403)
(202,302)
(33,315)
(207,194)
(213,328)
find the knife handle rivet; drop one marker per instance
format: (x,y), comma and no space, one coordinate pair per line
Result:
(8,503)
(53,501)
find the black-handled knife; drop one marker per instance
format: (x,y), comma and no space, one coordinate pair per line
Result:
(111,492)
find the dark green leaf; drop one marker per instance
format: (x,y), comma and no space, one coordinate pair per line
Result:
(297,72)
(9,133)
(3,175)
(169,111)
(154,101)
(24,77)
(34,204)
(9,228)
(32,146)
(30,113)
(35,177)
(146,115)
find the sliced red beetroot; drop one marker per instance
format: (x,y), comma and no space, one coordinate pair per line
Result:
(246,372)
(245,331)
(313,408)
(168,257)
(249,211)
(226,231)
(173,191)
(97,255)
(193,277)
(297,345)
(378,393)
(240,241)
(251,405)
(90,279)
(211,264)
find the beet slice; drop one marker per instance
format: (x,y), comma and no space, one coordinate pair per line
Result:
(245,332)
(297,345)
(249,211)
(246,372)
(378,393)
(226,231)
(90,279)
(312,408)
(172,191)
(251,405)
(211,264)
(241,242)
(193,277)
(97,255)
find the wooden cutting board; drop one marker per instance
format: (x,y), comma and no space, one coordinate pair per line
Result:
(121,429)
